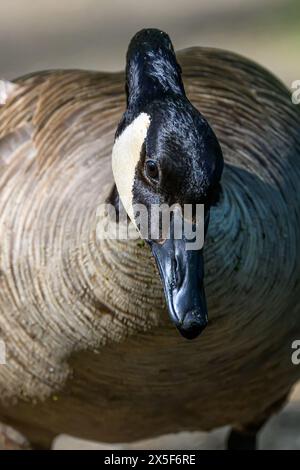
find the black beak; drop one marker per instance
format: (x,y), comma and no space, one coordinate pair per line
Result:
(182,272)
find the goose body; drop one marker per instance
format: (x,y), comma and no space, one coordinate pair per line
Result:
(90,350)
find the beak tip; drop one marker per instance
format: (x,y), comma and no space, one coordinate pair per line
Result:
(192,325)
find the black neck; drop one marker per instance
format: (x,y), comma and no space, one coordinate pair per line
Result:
(152,70)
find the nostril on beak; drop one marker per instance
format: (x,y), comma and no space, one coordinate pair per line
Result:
(178,274)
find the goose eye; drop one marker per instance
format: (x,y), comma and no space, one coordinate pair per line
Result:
(151,169)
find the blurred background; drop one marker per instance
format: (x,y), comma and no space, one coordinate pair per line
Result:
(94,34)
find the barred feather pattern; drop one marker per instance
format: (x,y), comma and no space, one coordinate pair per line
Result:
(63,292)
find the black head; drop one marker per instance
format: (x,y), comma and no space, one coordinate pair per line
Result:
(165,152)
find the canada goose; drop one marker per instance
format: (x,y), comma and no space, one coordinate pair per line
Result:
(90,350)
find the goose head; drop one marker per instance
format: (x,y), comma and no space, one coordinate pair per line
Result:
(166,153)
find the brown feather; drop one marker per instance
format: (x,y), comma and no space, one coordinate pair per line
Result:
(84,320)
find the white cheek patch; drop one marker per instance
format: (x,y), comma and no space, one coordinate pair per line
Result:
(7,89)
(125,156)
